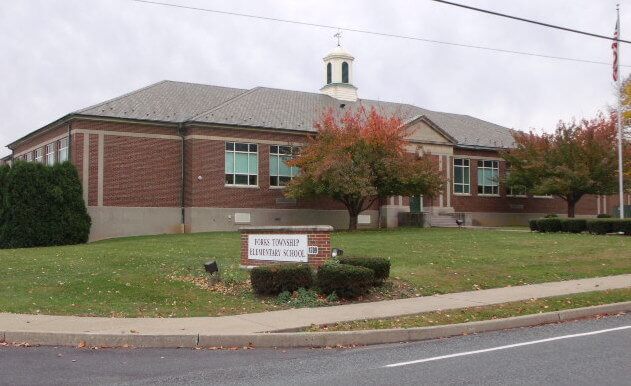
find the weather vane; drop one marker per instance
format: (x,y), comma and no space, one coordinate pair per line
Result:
(338,35)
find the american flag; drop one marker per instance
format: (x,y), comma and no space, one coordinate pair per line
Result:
(614,47)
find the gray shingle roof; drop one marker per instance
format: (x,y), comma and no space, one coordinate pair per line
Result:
(277,109)
(165,101)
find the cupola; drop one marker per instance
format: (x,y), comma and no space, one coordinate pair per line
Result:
(338,74)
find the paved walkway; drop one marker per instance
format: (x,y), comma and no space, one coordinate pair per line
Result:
(300,318)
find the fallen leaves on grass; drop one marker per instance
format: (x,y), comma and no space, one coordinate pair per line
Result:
(237,288)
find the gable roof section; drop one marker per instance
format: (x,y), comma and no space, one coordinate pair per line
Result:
(262,107)
(165,101)
(295,110)
(432,125)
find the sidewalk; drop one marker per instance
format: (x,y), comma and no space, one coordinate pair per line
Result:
(294,319)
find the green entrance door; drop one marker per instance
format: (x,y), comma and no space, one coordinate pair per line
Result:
(416,204)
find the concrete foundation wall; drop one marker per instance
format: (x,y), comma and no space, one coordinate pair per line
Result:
(225,219)
(390,215)
(109,222)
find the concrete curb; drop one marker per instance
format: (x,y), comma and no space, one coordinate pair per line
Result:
(304,339)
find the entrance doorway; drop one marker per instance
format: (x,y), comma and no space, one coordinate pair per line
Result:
(416,204)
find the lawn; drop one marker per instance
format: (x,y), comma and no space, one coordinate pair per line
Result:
(474,314)
(142,276)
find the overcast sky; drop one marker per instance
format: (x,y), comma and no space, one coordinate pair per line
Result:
(58,56)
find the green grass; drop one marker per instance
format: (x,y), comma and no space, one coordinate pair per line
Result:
(131,276)
(450,260)
(473,314)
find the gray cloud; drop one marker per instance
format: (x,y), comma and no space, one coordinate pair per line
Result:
(62,55)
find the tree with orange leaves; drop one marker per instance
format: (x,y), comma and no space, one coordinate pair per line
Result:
(360,158)
(579,158)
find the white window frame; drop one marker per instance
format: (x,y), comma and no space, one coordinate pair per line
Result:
(275,157)
(466,187)
(39,155)
(49,154)
(232,153)
(62,149)
(496,184)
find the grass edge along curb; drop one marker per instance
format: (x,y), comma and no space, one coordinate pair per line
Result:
(306,339)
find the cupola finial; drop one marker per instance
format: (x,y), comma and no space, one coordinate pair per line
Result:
(338,35)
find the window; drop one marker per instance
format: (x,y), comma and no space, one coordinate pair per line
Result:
(462,176)
(329,75)
(28,157)
(515,190)
(488,177)
(242,164)
(49,159)
(279,173)
(62,150)
(38,155)
(344,72)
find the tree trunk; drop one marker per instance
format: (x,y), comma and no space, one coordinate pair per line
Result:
(352,224)
(571,205)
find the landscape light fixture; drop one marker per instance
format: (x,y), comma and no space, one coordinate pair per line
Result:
(335,252)
(211,267)
(213,272)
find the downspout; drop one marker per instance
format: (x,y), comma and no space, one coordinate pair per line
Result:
(180,128)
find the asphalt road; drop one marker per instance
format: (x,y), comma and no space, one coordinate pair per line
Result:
(588,352)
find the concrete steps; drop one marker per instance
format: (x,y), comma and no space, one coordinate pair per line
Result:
(443,221)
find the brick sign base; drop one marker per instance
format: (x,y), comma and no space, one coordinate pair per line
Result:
(318,236)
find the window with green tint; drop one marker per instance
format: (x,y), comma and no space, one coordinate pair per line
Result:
(329,73)
(488,177)
(279,172)
(462,176)
(242,164)
(344,72)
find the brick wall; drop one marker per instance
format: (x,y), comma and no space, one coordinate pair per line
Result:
(505,203)
(41,140)
(205,158)
(146,172)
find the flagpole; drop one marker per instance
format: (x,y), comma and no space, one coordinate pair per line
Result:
(619,89)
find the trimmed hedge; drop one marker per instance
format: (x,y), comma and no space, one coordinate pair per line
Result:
(276,278)
(41,206)
(345,280)
(573,225)
(549,225)
(603,226)
(603,215)
(534,224)
(599,226)
(379,265)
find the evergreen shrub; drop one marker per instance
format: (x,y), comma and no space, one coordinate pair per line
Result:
(573,225)
(347,281)
(273,279)
(41,206)
(533,223)
(379,265)
(549,225)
